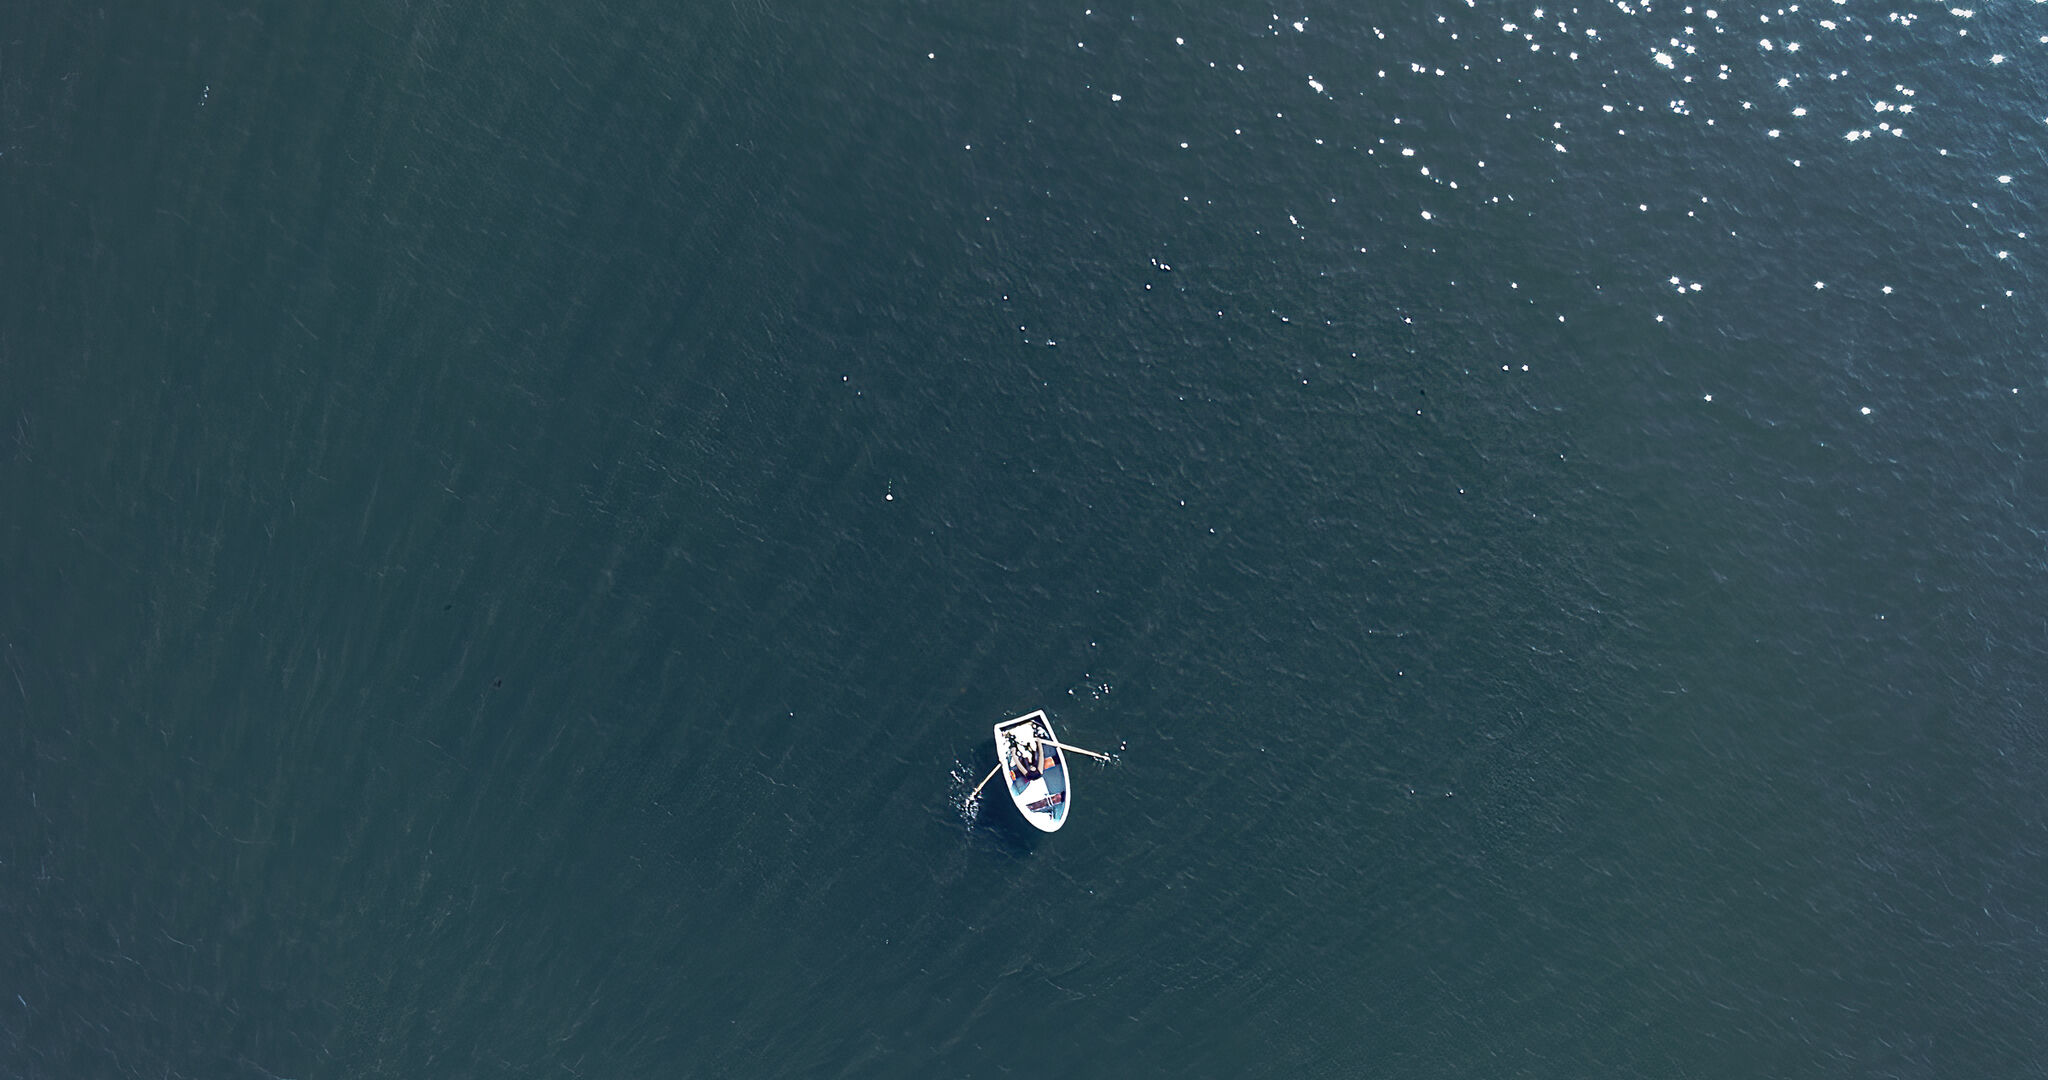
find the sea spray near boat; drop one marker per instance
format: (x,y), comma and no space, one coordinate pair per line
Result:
(1033,764)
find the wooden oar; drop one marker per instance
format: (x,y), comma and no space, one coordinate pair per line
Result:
(1078,750)
(984,781)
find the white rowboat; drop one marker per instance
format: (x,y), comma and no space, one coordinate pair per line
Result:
(1035,770)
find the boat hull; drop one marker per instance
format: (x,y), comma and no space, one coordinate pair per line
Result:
(1035,770)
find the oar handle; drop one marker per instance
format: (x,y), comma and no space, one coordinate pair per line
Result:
(1078,750)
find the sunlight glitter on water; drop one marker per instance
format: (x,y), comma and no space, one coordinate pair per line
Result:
(1654,63)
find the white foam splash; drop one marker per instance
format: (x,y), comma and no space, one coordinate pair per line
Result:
(965,799)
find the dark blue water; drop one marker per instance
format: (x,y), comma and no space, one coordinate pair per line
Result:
(516,521)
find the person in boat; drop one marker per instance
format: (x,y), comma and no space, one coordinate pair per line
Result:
(1025,759)
(1035,759)
(1041,747)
